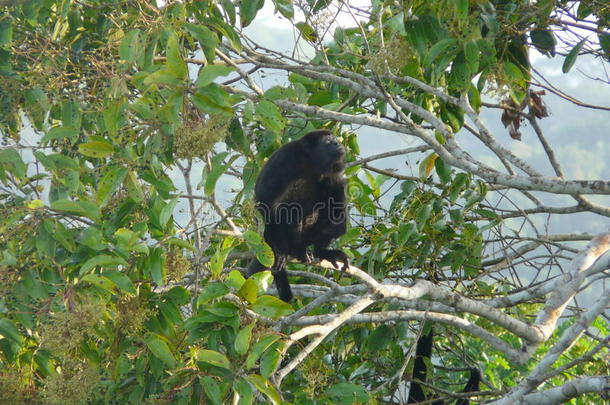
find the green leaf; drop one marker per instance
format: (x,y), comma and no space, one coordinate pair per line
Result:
(379,339)
(444,47)
(462,9)
(96,149)
(235,279)
(245,391)
(307,32)
(154,266)
(6,31)
(460,181)
(248,10)
(584,10)
(104,261)
(281,93)
(220,256)
(167,211)
(259,347)
(81,208)
(110,183)
(134,189)
(212,290)
(160,350)
(162,182)
(10,331)
(217,170)
(271,359)
(271,307)
(320,5)
(37,105)
(514,72)
(474,97)
(212,390)
(248,291)
(128,241)
(141,106)
(99,281)
(262,250)
(243,338)
(114,116)
(422,215)
(59,133)
(229,32)
(443,170)
(213,99)
(265,387)
(543,40)
(570,59)
(347,393)
(162,76)
(71,115)
(263,280)
(214,358)
(471,54)
(121,281)
(175,63)
(209,73)
(130,47)
(285,8)
(269,115)
(11,161)
(208,40)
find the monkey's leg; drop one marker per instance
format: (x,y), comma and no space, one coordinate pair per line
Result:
(281,278)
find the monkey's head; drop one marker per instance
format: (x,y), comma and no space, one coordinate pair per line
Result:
(326,154)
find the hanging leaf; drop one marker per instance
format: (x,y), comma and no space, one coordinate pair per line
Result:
(426,165)
(544,41)
(570,59)
(248,9)
(130,46)
(175,63)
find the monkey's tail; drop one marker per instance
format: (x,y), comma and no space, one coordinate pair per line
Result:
(423,353)
(279,276)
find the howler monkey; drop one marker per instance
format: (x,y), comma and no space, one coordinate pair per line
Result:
(300,193)
(423,354)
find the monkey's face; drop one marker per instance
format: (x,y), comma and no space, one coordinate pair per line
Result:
(327,155)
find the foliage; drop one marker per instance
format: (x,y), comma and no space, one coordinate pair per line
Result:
(110,296)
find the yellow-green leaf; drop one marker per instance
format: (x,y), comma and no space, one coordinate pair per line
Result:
(96,149)
(175,63)
(271,307)
(426,165)
(214,358)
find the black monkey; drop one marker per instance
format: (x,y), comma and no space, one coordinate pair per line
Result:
(423,351)
(471,386)
(300,193)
